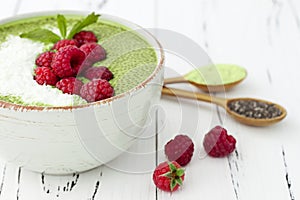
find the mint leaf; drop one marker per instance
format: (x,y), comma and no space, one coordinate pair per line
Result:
(62,25)
(90,19)
(42,35)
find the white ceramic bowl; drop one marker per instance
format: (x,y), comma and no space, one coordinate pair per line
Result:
(62,140)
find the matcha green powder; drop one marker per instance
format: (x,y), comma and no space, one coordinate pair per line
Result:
(218,74)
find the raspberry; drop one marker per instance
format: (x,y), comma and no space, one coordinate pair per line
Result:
(217,143)
(96,90)
(67,61)
(94,53)
(168,176)
(44,59)
(84,37)
(69,85)
(44,75)
(98,73)
(63,43)
(180,149)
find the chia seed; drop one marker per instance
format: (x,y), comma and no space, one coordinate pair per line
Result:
(254,109)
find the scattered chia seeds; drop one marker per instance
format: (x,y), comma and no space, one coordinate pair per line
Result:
(254,109)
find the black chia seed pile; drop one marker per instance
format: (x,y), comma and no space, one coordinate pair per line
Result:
(254,109)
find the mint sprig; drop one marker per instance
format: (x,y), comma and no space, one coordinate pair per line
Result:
(47,36)
(62,25)
(42,35)
(90,19)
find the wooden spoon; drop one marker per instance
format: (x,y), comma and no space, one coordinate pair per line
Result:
(225,104)
(213,78)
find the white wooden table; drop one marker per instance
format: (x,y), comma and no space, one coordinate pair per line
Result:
(261,35)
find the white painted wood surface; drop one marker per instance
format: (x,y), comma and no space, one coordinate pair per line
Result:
(261,35)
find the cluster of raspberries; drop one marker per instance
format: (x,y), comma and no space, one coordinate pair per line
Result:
(69,59)
(169,175)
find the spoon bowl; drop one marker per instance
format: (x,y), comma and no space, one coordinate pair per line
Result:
(251,121)
(255,121)
(213,78)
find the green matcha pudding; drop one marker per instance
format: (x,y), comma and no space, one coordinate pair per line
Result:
(129,57)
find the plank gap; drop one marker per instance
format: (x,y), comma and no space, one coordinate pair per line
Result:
(219,115)
(3,178)
(19,180)
(287,176)
(235,183)
(102,4)
(17,7)
(269,76)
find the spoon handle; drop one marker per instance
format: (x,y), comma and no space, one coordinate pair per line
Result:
(194,95)
(179,79)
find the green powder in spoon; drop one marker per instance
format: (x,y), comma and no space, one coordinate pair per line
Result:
(218,74)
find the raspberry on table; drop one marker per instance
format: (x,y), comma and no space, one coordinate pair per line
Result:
(44,59)
(69,85)
(67,61)
(84,37)
(98,73)
(180,149)
(94,53)
(45,75)
(96,90)
(168,176)
(63,43)
(217,143)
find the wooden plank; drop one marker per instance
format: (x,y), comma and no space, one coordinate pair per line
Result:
(184,17)
(285,79)
(9,8)
(40,186)
(206,178)
(139,12)
(9,181)
(38,6)
(124,9)
(129,176)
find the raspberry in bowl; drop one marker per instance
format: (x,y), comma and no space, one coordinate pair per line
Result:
(79,97)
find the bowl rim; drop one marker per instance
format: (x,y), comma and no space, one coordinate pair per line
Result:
(112,18)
